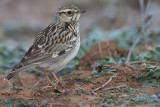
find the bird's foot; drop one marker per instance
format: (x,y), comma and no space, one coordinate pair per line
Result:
(58,83)
(55,84)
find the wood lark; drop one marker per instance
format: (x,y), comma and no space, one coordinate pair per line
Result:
(55,46)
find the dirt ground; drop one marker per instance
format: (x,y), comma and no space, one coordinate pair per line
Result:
(76,89)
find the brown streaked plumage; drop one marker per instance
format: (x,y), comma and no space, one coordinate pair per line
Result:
(55,46)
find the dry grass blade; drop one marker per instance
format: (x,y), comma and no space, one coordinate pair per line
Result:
(100,87)
(117,87)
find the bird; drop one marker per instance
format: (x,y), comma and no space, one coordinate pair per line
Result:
(55,46)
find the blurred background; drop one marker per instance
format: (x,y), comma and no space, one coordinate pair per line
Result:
(109,20)
(21,20)
(119,22)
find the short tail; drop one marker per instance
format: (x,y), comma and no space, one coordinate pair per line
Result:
(10,75)
(16,70)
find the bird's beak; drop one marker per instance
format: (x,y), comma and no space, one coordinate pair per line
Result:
(82,11)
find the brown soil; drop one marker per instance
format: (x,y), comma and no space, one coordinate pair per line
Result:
(98,52)
(66,96)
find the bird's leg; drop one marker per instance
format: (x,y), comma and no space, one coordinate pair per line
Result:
(49,81)
(55,77)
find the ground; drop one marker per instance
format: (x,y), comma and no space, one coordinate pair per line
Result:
(79,89)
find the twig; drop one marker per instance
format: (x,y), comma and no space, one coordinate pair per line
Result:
(135,62)
(117,87)
(100,87)
(145,18)
(132,48)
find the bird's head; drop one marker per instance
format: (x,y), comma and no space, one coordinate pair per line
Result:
(69,13)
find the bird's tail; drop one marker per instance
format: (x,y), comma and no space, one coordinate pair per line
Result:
(10,75)
(16,70)
(13,72)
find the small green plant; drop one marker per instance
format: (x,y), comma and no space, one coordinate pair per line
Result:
(9,57)
(151,83)
(102,68)
(157,53)
(103,73)
(82,80)
(109,100)
(106,61)
(129,90)
(79,91)
(151,77)
(145,98)
(14,103)
(153,72)
(110,60)
(147,56)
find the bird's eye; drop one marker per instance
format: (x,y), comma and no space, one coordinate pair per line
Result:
(69,12)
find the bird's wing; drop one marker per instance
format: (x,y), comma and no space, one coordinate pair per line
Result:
(50,43)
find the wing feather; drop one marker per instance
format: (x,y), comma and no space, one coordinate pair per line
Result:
(47,44)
